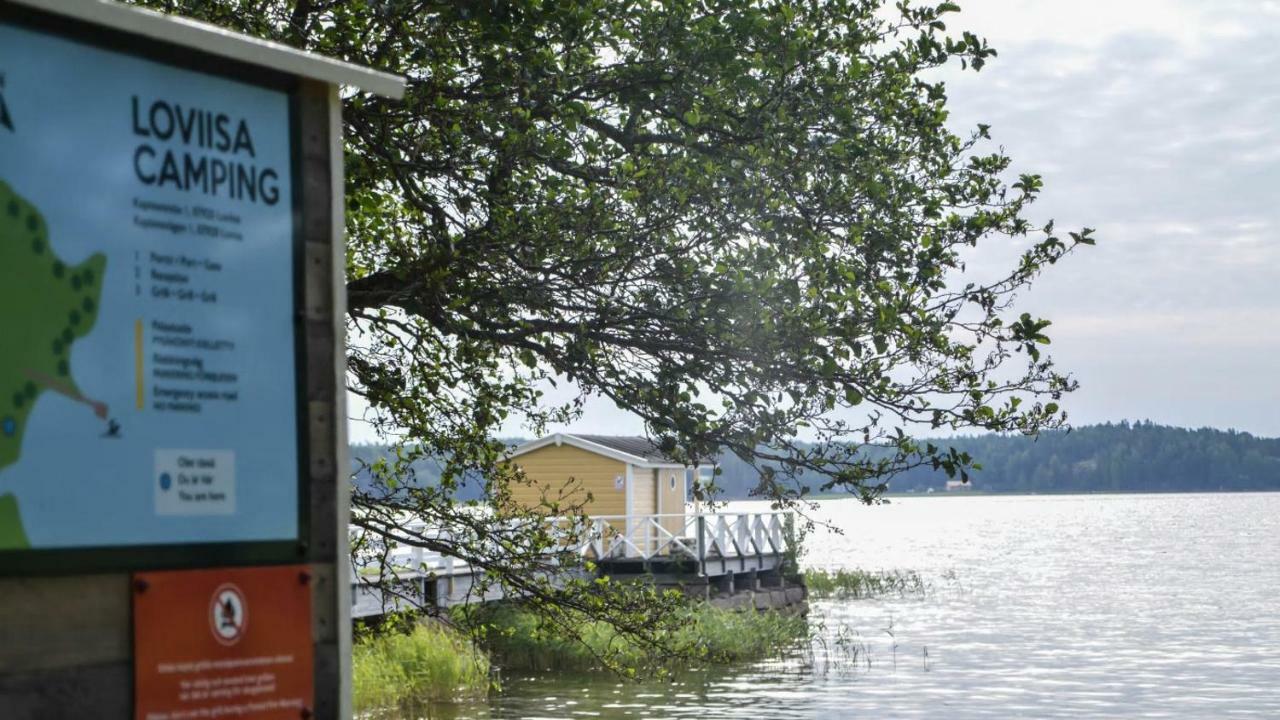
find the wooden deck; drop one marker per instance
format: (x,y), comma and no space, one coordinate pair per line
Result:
(713,551)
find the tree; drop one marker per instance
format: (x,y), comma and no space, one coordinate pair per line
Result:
(744,221)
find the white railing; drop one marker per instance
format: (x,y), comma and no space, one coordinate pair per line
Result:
(696,537)
(643,537)
(715,538)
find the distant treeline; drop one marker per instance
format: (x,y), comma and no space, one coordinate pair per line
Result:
(424,472)
(1123,457)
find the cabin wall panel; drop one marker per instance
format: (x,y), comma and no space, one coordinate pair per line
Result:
(644,497)
(672,499)
(573,472)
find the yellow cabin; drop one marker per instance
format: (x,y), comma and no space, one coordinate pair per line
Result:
(627,477)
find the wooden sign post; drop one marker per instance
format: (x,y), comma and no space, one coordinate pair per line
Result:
(173,500)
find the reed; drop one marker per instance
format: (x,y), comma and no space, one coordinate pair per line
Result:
(856,584)
(702,635)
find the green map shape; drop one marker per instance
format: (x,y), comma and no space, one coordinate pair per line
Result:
(45,306)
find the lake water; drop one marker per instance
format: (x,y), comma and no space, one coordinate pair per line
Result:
(1098,606)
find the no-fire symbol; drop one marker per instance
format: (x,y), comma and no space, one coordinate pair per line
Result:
(228,614)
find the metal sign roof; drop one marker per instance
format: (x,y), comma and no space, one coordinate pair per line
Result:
(217,41)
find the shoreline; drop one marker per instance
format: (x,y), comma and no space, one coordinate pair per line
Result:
(1015,493)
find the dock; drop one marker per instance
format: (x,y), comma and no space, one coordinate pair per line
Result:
(731,559)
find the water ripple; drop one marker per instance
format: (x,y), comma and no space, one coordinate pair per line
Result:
(1120,606)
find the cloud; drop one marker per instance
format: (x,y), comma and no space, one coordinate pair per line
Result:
(1155,123)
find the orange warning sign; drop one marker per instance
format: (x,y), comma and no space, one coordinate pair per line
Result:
(223,643)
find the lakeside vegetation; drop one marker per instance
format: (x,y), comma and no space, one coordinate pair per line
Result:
(858,584)
(704,635)
(410,664)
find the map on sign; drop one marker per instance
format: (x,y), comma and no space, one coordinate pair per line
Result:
(148,391)
(67,311)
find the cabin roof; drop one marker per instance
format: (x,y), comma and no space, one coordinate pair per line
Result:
(633,449)
(637,445)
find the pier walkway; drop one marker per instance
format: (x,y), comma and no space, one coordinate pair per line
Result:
(712,553)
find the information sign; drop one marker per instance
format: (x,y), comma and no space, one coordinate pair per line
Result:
(173,472)
(225,643)
(148,294)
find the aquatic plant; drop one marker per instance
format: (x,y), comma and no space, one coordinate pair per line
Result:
(855,583)
(700,634)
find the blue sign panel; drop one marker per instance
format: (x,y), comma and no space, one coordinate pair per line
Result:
(148,339)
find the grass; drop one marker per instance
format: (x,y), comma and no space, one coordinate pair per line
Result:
(428,663)
(857,584)
(700,636)
(413,664)
(409,665)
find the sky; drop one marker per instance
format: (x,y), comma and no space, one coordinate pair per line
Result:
(1157,122)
